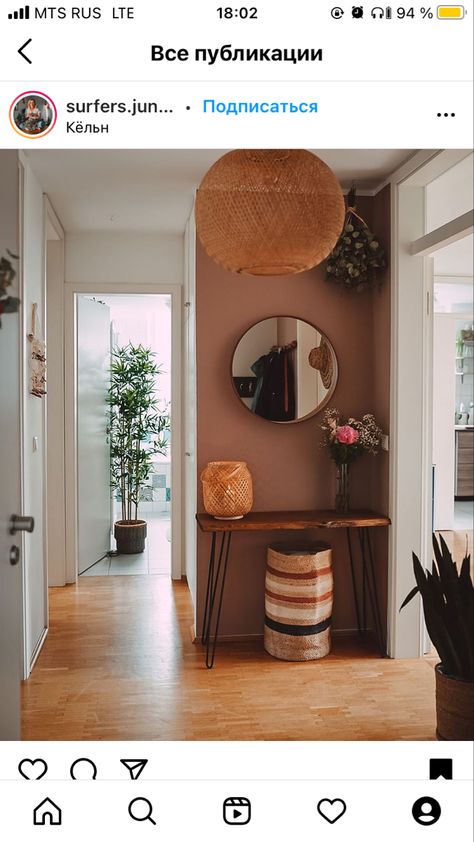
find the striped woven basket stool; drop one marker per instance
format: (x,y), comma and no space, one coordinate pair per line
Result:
(298,601)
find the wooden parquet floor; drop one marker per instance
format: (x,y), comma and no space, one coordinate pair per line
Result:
(119,664)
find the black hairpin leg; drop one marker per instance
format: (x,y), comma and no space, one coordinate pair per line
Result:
(354,580)
(364,591)
(369,581)
(210,579)
(369,587)
(378,616)
(215,590)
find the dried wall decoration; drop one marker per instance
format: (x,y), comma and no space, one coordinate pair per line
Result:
(269,211)
(37,358)
(358,257)
(8,303)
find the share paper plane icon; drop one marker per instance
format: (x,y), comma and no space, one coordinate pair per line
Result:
(135,767)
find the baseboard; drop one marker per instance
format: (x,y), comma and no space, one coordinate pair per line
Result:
(348,632)
(37,650)
(251,638)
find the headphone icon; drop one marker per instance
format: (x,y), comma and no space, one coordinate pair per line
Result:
(377,12)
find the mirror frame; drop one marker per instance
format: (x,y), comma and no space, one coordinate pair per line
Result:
(330,393)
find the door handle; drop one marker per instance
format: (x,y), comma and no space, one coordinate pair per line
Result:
(20,523)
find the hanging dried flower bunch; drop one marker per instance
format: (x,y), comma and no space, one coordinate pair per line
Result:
(357,255)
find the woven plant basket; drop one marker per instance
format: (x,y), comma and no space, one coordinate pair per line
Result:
(227,490)
(130,536)
(269,211)
(454,707)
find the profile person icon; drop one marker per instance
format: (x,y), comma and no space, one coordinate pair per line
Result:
(426,810)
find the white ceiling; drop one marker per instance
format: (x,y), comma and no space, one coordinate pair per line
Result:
(152,190)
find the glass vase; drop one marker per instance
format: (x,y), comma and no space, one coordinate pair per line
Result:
(342,488)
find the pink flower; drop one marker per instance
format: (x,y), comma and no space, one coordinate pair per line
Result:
(347,435)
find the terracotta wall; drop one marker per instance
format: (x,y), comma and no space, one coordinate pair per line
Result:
(381,383)
(290,470)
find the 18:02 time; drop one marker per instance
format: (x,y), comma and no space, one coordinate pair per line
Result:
(243,13)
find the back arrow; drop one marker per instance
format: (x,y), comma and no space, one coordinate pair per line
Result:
(22,53)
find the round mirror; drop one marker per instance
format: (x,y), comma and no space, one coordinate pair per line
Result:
(284,369)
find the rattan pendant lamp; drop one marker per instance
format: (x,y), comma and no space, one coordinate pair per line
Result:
(269,211)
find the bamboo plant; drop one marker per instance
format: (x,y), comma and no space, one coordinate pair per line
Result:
(138,423)
(448,604)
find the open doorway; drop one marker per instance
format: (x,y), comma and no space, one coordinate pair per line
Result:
(447,198)
(123,369)
(432,204)
(453,398)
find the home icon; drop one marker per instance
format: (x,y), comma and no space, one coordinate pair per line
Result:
(47,813)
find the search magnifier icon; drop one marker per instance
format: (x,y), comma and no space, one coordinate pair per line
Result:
(140,810)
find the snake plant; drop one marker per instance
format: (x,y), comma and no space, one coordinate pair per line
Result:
(448,604)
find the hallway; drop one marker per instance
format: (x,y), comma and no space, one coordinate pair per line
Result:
(119,664)
(155,560)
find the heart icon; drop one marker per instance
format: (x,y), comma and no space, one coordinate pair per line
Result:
(33,770)
(331,810)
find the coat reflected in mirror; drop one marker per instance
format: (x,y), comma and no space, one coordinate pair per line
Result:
(284,369)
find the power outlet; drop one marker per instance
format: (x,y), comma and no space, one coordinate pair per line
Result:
(385,441)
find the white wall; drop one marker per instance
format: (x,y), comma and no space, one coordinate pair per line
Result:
(450,195)
(55,414)
(258,340)
(121,258)
(311,389)
(444,389)
(34,415)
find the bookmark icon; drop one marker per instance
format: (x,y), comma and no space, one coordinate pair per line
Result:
(135,767)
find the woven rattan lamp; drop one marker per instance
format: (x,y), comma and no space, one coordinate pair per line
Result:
(269,211)
(227,490)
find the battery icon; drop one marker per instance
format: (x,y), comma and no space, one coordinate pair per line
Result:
(450,12)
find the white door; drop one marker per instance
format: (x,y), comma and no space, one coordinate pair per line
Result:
(93,454)
(190,466)
(11,608)
(11,600)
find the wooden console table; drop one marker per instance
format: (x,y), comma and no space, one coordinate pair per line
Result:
(361,520)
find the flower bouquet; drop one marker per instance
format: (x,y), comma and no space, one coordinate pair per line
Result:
(346,440)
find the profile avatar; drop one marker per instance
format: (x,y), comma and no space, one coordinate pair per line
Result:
(32,114)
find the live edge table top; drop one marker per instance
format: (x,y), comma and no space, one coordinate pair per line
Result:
(312,519)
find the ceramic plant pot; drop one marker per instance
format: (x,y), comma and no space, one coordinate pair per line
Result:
(130,536)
